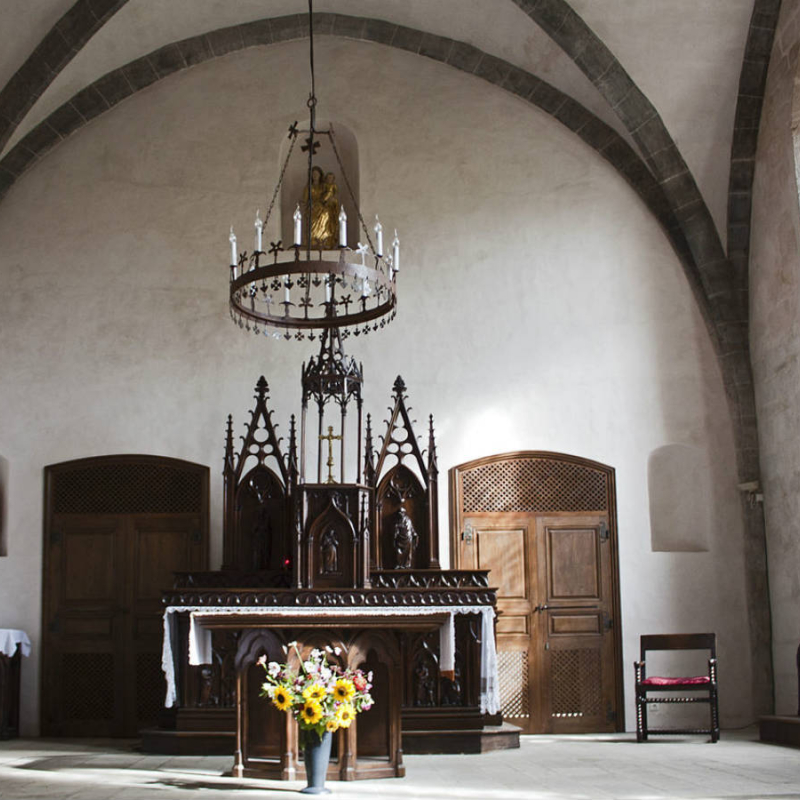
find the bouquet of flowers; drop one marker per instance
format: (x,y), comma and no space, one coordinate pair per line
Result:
(320,696)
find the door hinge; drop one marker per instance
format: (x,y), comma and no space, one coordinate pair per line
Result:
(608,621)
(55,625)
(56,534)
(604,532)
(611,715)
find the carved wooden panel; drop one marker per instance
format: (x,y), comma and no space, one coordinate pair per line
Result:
(331,549)
(157,554)
(260,533)
(503,552)
(87,554)
(574,569)
(373,731)
(568,624)
(536,484)
(403,521)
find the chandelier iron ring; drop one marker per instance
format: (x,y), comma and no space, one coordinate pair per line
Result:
(327,287)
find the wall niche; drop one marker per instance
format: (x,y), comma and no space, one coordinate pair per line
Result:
(681,497)
(296,178)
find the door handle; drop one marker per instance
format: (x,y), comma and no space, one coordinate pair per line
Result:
(541,607)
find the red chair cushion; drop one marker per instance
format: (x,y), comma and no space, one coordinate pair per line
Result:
(656,681)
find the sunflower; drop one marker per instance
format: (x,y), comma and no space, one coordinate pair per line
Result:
(343,690)
(311,713)
(332,725)
(282,698)
(314,692)
(345,714)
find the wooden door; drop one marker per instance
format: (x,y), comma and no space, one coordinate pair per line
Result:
(502,543)
(555,645)
(103,577)
(83,668)
(573,620)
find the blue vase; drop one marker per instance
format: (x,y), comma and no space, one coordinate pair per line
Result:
(316,755)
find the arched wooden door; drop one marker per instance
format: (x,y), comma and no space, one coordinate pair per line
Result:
(545,525)
(115,529)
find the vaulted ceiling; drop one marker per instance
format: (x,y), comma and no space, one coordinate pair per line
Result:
(668,93)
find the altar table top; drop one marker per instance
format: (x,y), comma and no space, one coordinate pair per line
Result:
(280,616)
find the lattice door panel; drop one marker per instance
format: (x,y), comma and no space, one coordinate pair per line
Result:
(512,667)
(575,683)
(542,485)
(88,686)
(134,488)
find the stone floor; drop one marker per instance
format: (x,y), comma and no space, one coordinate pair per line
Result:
(544,768)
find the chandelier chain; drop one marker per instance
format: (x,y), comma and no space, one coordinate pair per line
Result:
(349,187)
(280,181)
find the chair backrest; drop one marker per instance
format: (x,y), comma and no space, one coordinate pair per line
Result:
(678,641)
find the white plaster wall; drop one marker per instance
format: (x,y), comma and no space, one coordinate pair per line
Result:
(775,347)
(540,308)
(686,56)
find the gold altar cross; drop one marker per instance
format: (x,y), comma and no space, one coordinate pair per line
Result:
(330,438)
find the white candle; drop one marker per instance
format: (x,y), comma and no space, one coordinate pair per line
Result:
(328,281)
(365,288)
(342,228)
(286,296)
(378,237)
(232,239)
(396,252)
(259,230)
(298,226)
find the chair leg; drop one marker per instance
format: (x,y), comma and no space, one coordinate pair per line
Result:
(641,719)
(714,717)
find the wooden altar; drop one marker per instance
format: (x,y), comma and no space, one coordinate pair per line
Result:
(352,564)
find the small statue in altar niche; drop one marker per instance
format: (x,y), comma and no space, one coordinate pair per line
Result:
(329,547)
(324,209)
(451,690)
(207,696)
(405,540)
(423,690)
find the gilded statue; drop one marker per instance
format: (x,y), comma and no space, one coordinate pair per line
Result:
(324,209)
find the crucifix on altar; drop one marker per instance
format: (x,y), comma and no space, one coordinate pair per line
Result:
(330,438)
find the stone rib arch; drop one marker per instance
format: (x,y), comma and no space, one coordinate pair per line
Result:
(104,93)
(58,47)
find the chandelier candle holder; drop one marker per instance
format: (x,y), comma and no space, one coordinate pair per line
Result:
(314,285)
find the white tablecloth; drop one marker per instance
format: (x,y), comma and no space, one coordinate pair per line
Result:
(200,637)
(10,638)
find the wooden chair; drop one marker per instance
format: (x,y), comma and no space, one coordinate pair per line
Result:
(704,687)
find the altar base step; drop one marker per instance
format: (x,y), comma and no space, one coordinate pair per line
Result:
(417,742)
(780,730)
(483,740)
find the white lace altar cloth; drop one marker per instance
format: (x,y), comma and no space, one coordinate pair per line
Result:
(10,638)
(200,637)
